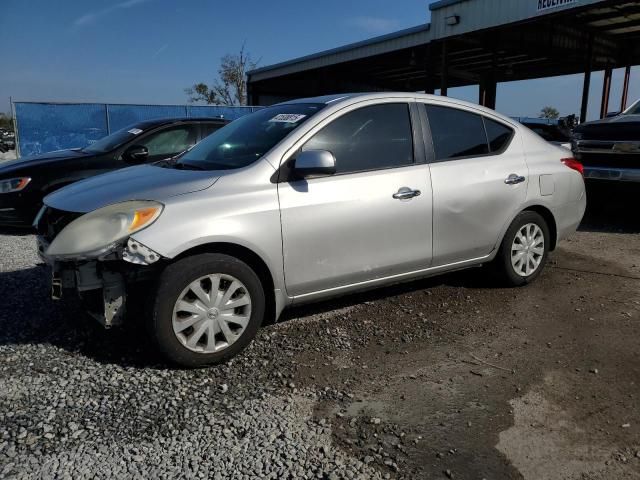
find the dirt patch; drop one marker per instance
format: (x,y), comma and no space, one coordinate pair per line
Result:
(545,442)
(452,377)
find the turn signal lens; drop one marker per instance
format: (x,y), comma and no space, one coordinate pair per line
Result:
(573,164)
(142,217)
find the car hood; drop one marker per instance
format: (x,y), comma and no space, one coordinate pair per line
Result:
(620,127)
(615,120)
(42,159)
(145,182)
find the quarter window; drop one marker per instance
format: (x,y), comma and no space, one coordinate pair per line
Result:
(498,134)
(456,133)
(369,138)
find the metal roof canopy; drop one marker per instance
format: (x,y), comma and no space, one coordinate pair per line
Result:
(470,42)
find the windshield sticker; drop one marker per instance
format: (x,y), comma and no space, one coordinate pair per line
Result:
(135,131)
(287,118)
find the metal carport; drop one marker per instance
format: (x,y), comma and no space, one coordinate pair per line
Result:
(472,42)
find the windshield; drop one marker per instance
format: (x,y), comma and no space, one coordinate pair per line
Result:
(634,109)
(246,139)
(108,143)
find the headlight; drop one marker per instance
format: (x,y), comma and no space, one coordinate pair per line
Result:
(98,232)
(577,136)
(14,184)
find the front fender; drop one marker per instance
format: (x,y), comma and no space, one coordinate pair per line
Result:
(249,219)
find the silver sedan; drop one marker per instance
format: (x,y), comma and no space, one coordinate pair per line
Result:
(306,200)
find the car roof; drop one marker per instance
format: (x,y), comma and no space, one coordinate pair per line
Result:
(349,98)
(326,99)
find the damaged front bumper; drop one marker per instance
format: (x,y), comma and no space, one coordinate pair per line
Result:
(102,282)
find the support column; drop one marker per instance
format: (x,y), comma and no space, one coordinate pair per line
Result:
(487,93)
(428,71)
(606,91)
(444,78)
(488,85)
(252,98)
(625,88)
(587,80)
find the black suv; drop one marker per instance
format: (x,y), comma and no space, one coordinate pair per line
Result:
(609,148)
(26,181)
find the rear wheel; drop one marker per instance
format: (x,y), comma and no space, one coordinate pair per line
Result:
(524,249)
(207,308)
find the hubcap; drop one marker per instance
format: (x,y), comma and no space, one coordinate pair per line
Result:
(527,249)
(211,313)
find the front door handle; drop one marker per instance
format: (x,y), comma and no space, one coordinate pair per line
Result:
(514,179)
(405,193)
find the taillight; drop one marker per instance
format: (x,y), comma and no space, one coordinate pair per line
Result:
(573,164)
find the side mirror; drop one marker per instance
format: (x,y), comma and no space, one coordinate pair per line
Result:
(136,154)
(314,162)
(612,114)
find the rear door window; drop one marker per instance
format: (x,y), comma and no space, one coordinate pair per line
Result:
(456,133)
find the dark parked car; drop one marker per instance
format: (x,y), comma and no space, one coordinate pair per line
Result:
(26,181)
(551,132)
(610,148)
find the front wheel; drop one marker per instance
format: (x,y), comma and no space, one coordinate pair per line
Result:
(524,249)
(207,308)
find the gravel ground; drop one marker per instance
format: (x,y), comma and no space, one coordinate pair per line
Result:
(77,402)
(443,378)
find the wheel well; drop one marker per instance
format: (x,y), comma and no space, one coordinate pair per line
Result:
(250,258)
(551,222)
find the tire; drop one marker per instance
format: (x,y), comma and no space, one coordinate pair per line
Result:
(191,346)
(522,274)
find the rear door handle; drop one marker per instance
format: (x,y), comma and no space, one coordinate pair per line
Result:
(514,179)
(405,193)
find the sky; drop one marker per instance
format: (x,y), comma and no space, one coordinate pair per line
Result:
(149,51)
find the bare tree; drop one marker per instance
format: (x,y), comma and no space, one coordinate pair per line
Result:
(231,86)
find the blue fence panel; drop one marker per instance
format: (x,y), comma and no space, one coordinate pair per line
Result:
(121,116)
(46,127)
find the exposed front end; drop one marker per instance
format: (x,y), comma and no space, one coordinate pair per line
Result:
(93,257)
